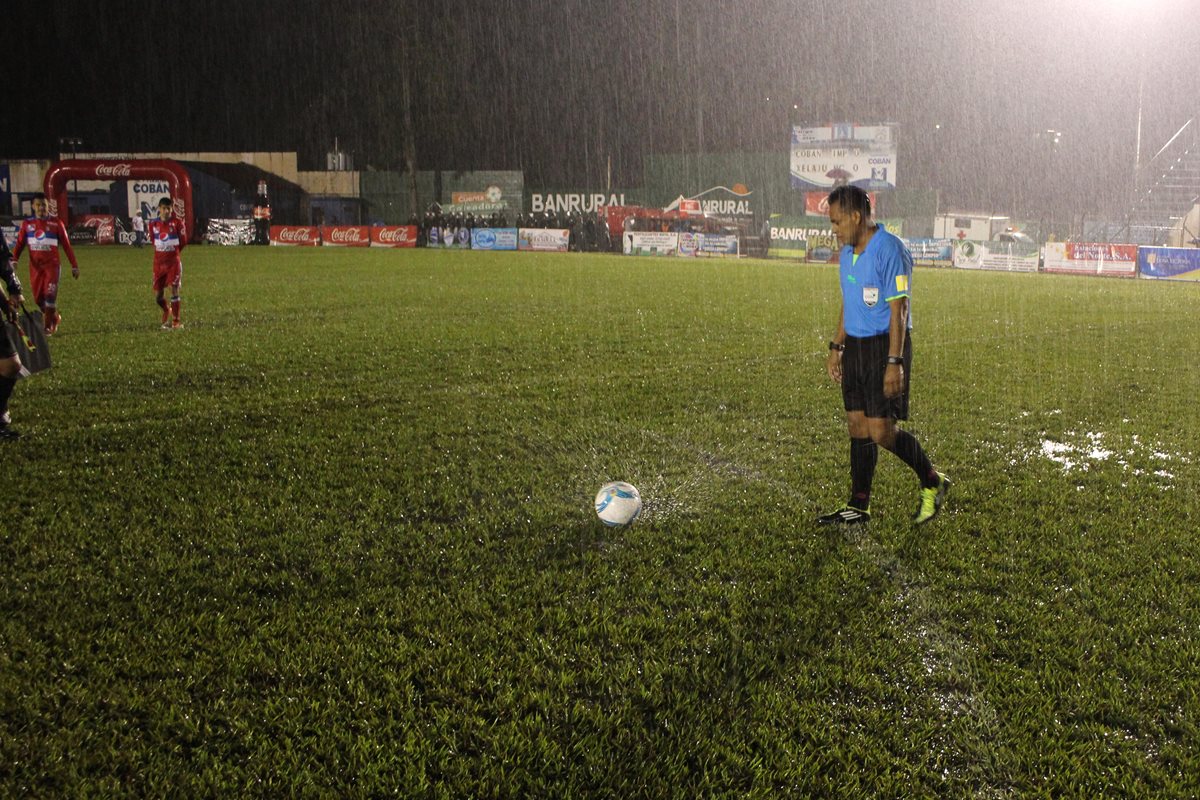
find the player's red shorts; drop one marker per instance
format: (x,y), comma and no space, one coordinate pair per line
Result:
(168,276)
(44,282)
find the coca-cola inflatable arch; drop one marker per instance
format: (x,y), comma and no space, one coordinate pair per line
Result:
(117,169)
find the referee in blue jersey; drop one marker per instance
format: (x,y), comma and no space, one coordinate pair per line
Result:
(871,356)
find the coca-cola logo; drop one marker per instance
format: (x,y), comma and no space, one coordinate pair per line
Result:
(347,235)
(295,234)
(99,228)
(392,235)
(121,170)
(104,227)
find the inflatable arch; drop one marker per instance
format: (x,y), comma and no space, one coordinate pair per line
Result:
(117,169)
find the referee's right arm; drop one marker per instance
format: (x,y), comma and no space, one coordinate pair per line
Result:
(833,364)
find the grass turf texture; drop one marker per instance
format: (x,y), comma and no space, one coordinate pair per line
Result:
(336,537)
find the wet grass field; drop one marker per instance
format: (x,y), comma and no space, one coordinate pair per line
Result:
(335,537)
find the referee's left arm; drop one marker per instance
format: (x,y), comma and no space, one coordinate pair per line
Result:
(893,377)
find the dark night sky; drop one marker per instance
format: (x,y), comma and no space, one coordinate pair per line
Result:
(558,88)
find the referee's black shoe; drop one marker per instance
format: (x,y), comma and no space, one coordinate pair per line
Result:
(6,432)
(846,515)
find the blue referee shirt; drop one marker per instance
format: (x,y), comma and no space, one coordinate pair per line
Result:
(882,273)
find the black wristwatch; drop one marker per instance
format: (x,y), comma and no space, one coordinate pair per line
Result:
(836,346)
(896,360)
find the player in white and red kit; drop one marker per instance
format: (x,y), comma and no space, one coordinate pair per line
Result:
(168,237)
(43,235)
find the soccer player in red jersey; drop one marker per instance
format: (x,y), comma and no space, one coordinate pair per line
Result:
(43,235)
(168,237)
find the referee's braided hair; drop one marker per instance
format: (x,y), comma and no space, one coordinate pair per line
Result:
(851,199)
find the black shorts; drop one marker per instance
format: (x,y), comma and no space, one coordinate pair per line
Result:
(7,348)
(863,365)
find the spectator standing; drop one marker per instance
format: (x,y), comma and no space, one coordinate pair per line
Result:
(139,229)
(606,242)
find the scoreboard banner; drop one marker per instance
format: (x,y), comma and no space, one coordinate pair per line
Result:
(1006,256)
(494,239)
(858,155)
(1091,258)
(1169,263)
(394,236)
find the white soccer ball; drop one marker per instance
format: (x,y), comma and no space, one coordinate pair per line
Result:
(618,504)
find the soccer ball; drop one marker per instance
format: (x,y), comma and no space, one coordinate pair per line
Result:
(618,504)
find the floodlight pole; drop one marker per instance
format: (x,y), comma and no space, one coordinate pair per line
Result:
(1053,137)
(1137,147)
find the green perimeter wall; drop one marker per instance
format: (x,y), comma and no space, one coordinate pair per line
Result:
(388,194)
(664,176)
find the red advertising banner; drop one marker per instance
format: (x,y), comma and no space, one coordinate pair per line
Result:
(816,204)
(1091,258)
(295,235)
(105,226)
(1101,251)
(346,236)
(394,236)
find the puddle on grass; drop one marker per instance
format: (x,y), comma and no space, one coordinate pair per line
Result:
(1076,456)
(661,508)
(1079,452)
